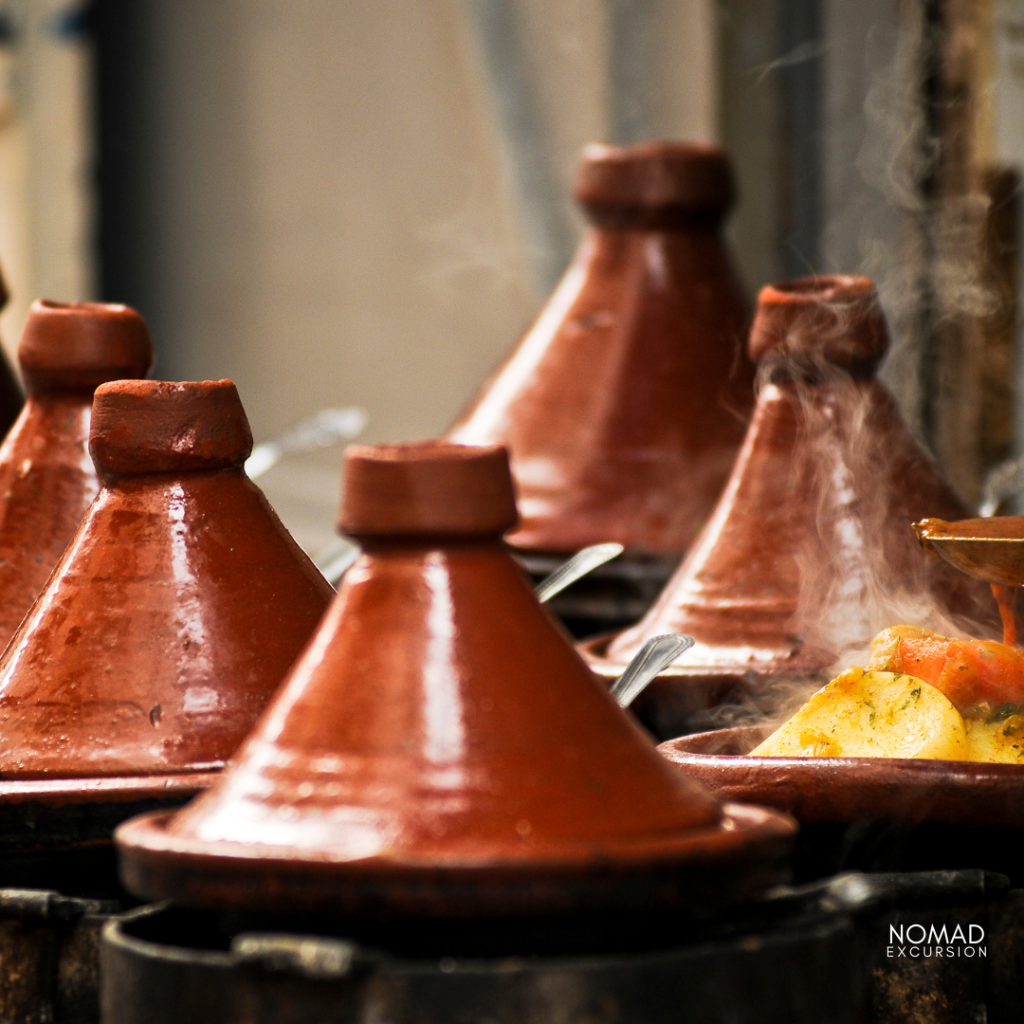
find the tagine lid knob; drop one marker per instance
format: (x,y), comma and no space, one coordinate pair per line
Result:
(430,488)
(665,176)
(73,347)
(818,321)
(149,426)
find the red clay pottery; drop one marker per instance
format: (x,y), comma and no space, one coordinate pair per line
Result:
(810,551)
(11,398)
(879,814)
(848,789)
(624,405)
(440,749)
(47,479)
(171,618)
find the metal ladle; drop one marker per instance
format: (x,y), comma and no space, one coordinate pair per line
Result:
(989,549)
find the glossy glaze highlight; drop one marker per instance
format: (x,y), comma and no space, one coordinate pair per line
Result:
(175,612)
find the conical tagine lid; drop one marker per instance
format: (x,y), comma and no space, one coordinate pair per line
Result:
(173,615)
(440,748)
(625,404)
(810,551)
(47,479)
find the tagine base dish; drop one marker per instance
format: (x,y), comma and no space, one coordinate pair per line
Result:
(744,853)
(877,814)
(57,834)
(72,812)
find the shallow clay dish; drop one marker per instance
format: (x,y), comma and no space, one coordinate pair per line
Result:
(851,789)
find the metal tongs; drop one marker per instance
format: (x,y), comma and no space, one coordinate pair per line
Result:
(658,653)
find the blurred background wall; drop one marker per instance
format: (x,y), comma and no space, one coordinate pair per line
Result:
(334,202)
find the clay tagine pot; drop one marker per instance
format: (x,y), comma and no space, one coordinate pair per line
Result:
(11,398)
(870,813)
(172,617)
(625,404)
(441,750)
(47,479)
(810,551)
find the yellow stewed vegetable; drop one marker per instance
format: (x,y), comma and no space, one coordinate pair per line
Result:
(872,714)
(1001,739)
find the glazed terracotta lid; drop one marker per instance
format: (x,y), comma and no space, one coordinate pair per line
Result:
(47,479)
(440,748)
(844,790)
(625,404)
(174,614)
(810,549)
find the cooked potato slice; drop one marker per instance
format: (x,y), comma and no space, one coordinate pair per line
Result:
(872,714)
(999,740)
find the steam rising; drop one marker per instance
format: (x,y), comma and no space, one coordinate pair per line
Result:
(861,569)
(920,239)
(920,234)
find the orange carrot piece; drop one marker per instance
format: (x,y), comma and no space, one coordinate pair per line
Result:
(966,671)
